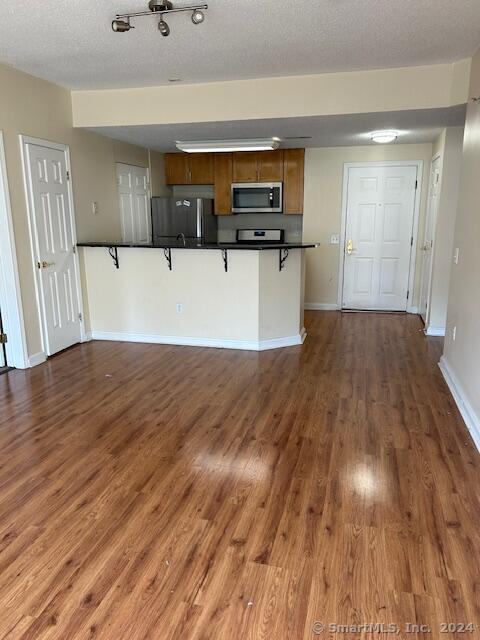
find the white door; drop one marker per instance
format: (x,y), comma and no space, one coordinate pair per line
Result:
(427,247)
(134,196)
(3,358)
(54,240)
(378,237)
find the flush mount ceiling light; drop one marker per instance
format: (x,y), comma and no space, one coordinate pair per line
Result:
(121,24)
(384,137)
(224,146)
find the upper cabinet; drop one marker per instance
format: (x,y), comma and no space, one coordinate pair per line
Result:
(223,166)
(293,180)
(176,168)
(261,166)
(223,169)
(195,168)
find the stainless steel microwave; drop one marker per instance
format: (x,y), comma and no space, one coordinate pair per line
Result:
(257,197)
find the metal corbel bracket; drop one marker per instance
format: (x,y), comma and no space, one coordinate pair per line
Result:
(113,251)
(282,256)
(225,259)
(168,257)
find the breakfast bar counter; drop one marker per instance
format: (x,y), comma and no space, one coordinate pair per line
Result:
(238,296)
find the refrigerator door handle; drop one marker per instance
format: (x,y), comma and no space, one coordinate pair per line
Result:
(199,218)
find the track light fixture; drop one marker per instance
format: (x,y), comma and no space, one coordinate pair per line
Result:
(121,24)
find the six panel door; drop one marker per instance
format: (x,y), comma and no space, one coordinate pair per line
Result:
(134,200)
(55,247)
(378,238)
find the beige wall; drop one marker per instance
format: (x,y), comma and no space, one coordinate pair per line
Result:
(462,356)
(441,85)
(450,147)
(323,209)
(33,107)
(252,302)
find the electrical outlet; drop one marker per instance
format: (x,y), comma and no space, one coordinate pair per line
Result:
(456,255)
(454,333)
(335,238)
(95,208)
(179,307)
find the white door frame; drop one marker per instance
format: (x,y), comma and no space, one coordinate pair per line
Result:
(10,296)
(437,156)
(32,228)
(416,215)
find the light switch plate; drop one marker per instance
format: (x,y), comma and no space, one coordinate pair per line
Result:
(456,255)
(335,238)
(95,208)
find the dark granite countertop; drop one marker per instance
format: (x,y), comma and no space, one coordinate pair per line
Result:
(254,246)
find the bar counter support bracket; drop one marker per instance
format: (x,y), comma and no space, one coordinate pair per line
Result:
(225,259)
(113,251)
(282,256)
(168,257)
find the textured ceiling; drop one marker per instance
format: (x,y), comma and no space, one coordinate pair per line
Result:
(325,131)
(71,42)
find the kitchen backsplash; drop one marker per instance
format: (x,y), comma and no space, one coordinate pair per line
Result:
(228,225)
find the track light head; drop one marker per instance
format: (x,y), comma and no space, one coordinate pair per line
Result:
(120,26)
(198,16)
(163,28)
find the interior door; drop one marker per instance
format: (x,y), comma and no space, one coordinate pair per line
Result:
(378,238)
(3,356)
(134,198)
(427,247)
(55,246)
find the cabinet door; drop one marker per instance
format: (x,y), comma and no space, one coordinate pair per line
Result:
(176,168)
(200,168)
(293,180)
(245,166)
(223,183)
(270,166)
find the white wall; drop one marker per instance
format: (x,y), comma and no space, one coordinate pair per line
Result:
(461,359)
(323,209)
(450,147)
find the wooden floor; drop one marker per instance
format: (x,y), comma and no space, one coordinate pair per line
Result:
(156,492)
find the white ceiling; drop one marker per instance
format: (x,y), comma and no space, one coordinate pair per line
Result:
(323,131)
(70,42)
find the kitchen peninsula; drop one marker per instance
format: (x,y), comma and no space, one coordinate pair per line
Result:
(236,296)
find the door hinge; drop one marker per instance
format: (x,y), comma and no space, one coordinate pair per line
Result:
(80,317)
(3,338)
(411,241)
(416,184)
(74,249)
(408,294)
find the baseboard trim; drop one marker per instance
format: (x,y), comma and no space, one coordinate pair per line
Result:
(435,331)
(37,358)
(320,306)
(245,345)
(472,420)
(413,310)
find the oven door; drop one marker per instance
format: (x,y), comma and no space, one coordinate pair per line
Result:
(261,197)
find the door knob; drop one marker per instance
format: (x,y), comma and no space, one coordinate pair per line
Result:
(350,248)
(45,265)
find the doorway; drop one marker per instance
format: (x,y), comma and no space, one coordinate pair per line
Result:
(53,238)
(134,197)
(380,219)
(427,247)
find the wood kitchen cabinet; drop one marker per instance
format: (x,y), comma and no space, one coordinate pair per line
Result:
(293,181)
(176,168)
(223,169)
(258,166)
(197,168)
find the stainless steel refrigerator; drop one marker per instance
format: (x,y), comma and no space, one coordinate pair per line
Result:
(191,218)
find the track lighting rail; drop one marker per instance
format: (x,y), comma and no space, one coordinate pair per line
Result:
(197,7)
(160,8)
